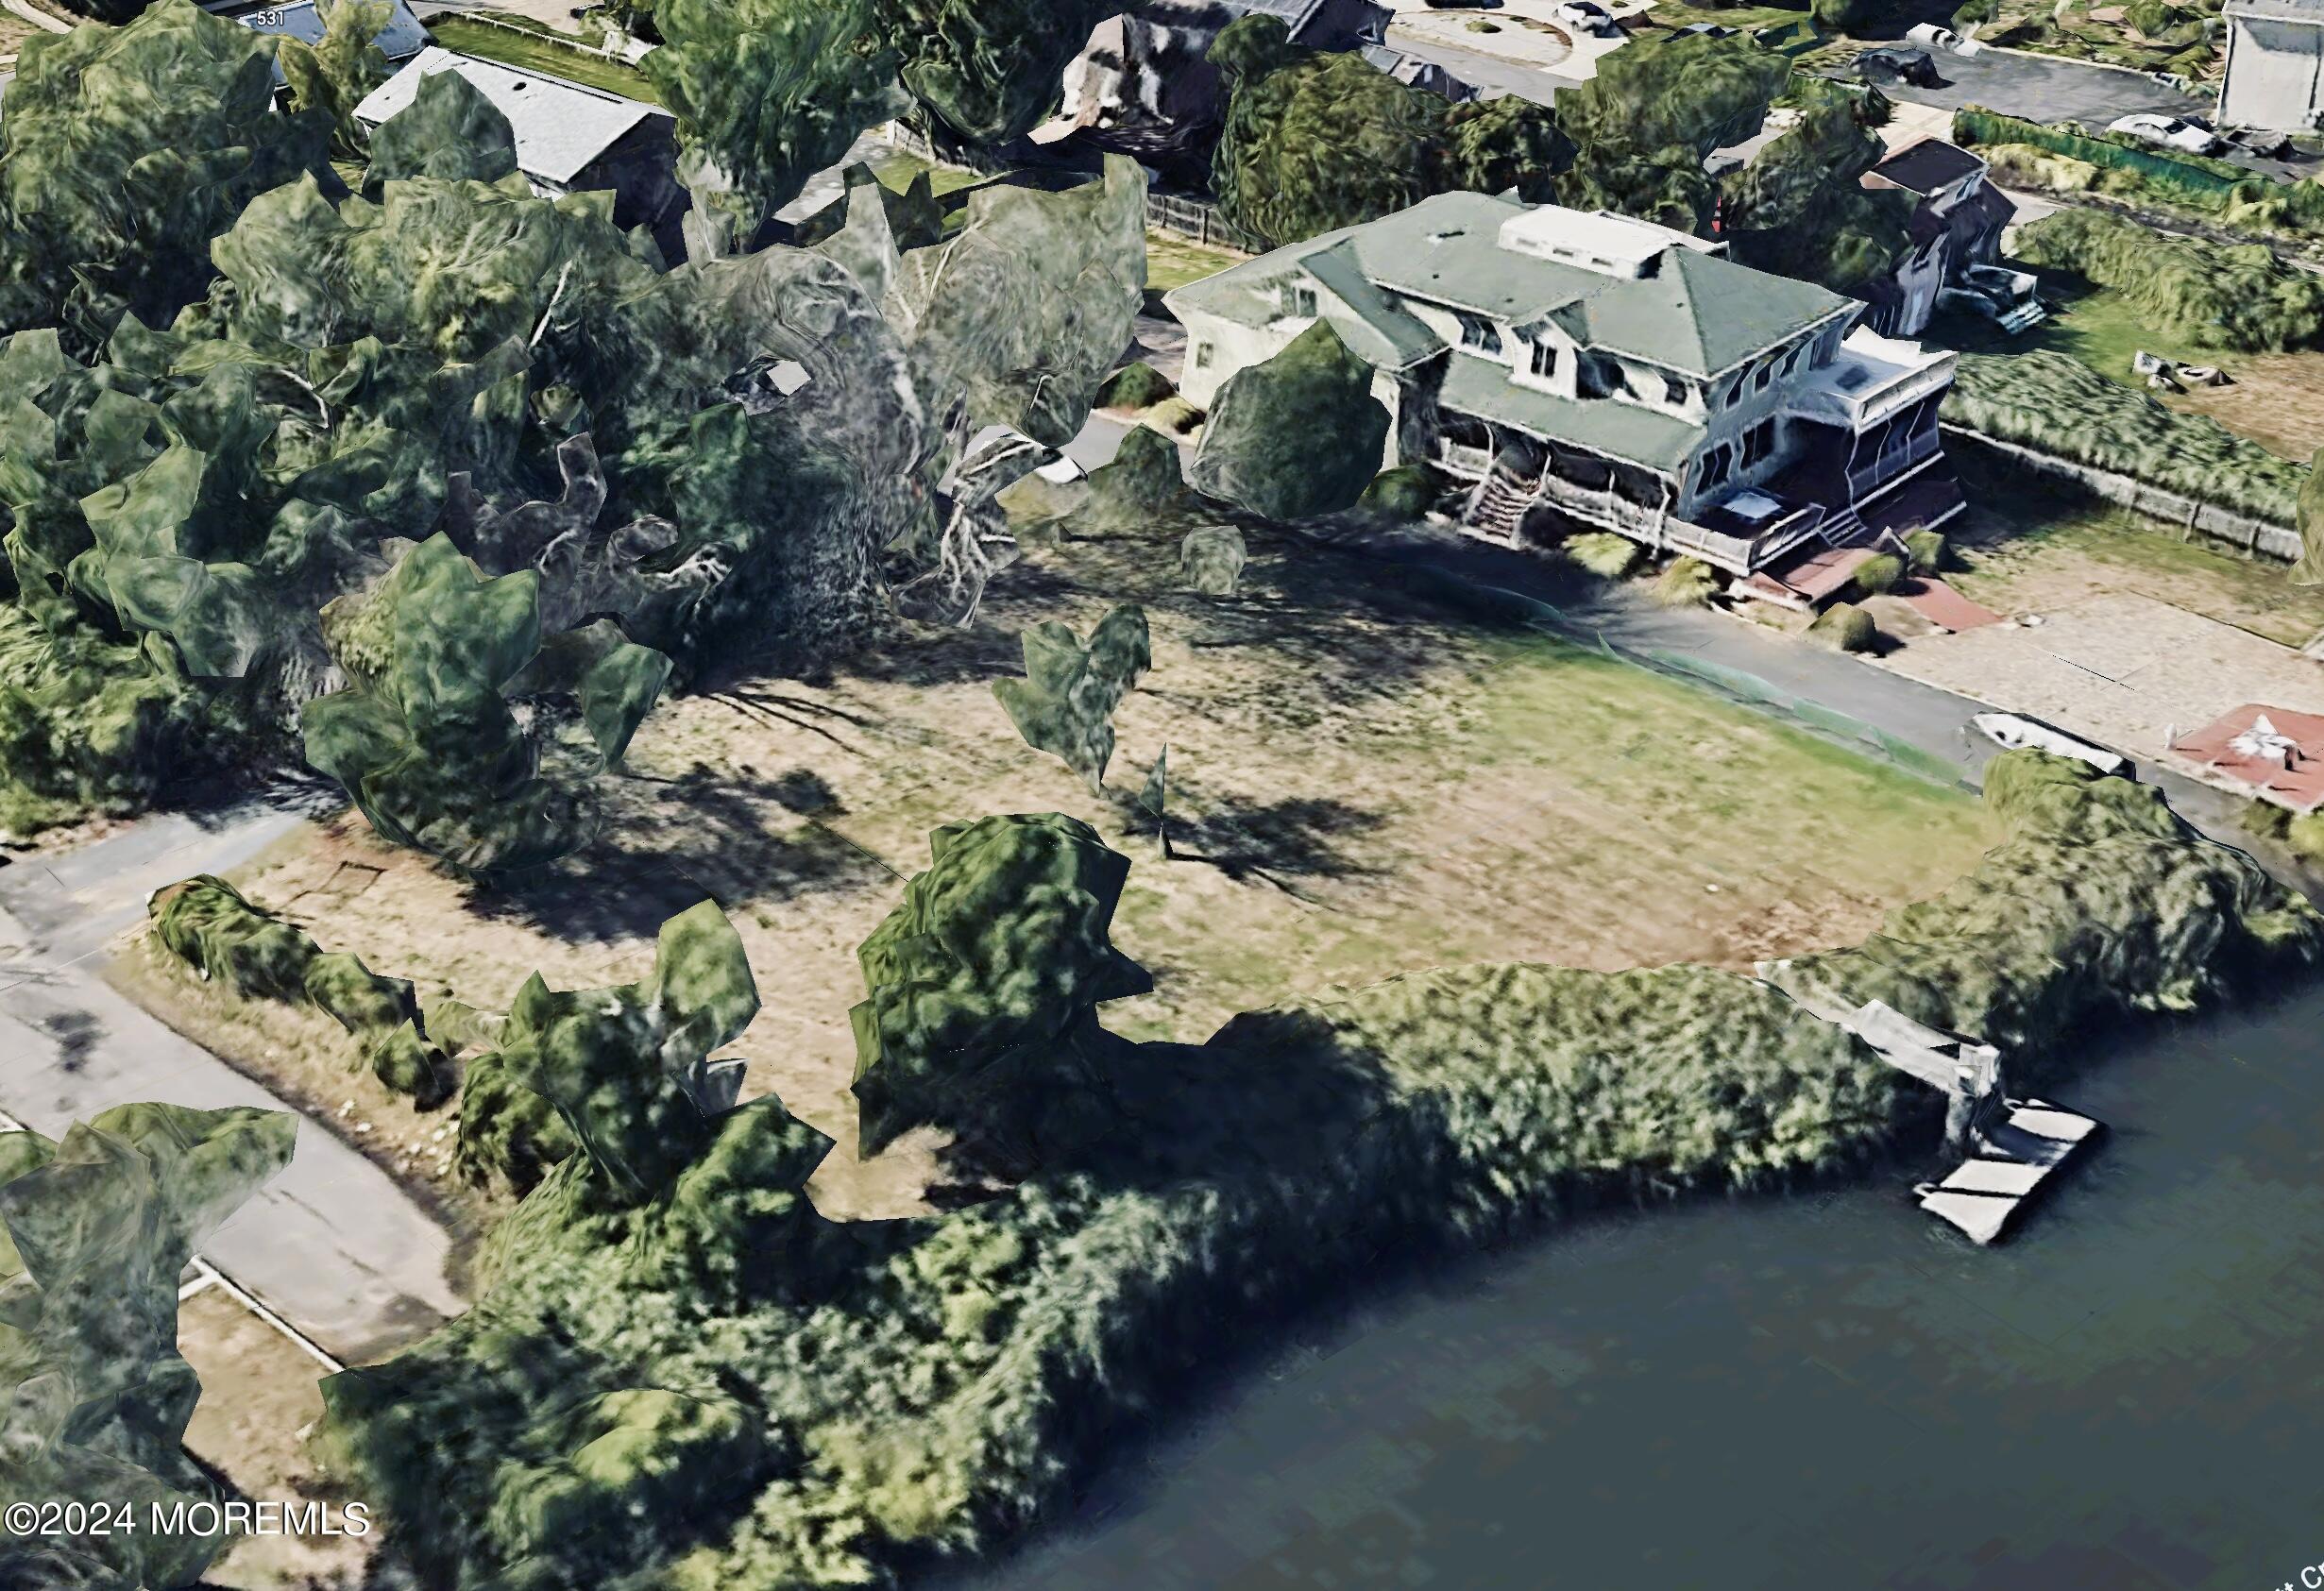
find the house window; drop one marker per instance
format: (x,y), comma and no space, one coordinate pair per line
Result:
(1758,442)
(1202,356)
(1480,334)
(1712,468)
(1674,392)
(1735,393)
(1767,374)
(1545,359)
(1299,300)
(1791,360)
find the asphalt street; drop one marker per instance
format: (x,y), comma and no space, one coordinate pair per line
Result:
(331,1244)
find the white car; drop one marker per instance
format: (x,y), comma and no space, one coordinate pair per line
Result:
(1587,15)
(2013,734)
(2172,132)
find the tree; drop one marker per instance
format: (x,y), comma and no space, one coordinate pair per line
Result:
(450,131)
(124,152)
(982,987)
(1317,141)
(766,94)
(1798,209)
(989,70)
(1211,559)
(1298,435)
(1642,126)
(97,1228)
(331,77)
(2309,570)
(464,732)
(1064,704)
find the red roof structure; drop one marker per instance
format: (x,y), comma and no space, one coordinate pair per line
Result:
(2275,752)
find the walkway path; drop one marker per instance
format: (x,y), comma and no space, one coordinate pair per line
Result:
(332,1245)
(37,17)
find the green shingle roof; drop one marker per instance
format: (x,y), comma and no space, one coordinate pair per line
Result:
(1602,425)
(1697,315)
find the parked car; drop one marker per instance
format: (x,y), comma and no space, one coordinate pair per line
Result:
(2172,132)
(1890,64)
(1587,16)
(2012,733)
(1936,38)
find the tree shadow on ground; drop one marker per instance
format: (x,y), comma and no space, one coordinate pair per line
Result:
(709,834)
(1295,838)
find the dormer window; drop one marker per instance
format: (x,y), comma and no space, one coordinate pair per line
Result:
(1544,359)
(1479,333)
(1299,300)
(1674,392)
(1767,374)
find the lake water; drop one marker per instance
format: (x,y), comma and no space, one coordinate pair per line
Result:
(1825,1392)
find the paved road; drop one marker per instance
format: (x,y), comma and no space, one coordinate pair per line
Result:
(331,1244)
(1488,72)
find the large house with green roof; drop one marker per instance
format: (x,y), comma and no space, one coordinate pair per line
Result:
(1588,368)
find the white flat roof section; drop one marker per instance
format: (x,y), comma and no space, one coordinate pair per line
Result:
(561,127)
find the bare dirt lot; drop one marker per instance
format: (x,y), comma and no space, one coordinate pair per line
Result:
(1364,783)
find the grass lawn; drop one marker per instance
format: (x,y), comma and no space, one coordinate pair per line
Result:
(1172,262)
(898,169)
(2031,546)
(1364,783)
(541,55)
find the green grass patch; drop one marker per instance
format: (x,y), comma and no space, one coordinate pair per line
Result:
(1174,262)
(1743,19)
(544,54)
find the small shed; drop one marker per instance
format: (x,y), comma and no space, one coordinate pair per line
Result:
(571,138)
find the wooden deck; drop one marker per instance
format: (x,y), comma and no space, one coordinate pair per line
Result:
(2012,1160)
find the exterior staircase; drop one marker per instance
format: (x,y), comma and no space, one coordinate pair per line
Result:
(1497,508)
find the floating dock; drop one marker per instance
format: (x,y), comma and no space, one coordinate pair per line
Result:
(2029,1141)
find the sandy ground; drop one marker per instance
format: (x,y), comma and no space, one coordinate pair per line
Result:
(2127,672)
(1362,785)
(259,1400)
(2277,399)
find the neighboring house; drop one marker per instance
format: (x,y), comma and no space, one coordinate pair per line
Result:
(399,40)
(1149,70)
(1601,371)
(2275,64)
(1415,73)
(1953,238)
(571,138)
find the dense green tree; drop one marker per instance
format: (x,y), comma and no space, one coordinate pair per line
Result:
(1064,704)
(332,75)
(1642,127)
(982,987)
(449,130)
(1300,435)
(1315,140)
(1799,210)
(123,153)
(766,92)
(464,731)
(989,70)
(94,1232)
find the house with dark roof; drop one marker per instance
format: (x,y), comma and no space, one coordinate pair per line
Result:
(1147,77)
(399,40)
(1955,242)
(1585,369)
(571,138)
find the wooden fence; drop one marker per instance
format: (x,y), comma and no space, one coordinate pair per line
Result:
(619,56)
(2265,538)
(1197,220)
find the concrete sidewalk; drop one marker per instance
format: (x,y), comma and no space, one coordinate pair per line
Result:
(332,1243)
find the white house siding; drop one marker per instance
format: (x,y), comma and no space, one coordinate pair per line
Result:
(2275,73)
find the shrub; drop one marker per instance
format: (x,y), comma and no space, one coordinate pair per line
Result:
(1929,551)
(2210,294)
(1406,492)
(1689,583)
(2305,835)
(1175,416)
(2267,821)
(1137,385)
(1605,554)
(1879,573)
(1845,627)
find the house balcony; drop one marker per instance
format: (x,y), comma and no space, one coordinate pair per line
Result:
(1872,377)
(1738,536)
(1899,458)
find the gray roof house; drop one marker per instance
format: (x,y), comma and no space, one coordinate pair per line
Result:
(2275,64)
(571,138)
(1953,238)
(399,40)
(1586,369)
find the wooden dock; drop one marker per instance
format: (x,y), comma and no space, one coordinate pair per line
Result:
(2011,1159)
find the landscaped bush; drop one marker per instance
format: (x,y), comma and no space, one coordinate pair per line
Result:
(2190,178)
(1845,627)
(1879,573)
(1929,551)
(2210,294)
(1406,492)
(1689,583)
(1137,385)
(2305,834)
(2055,403)
(1603,553)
